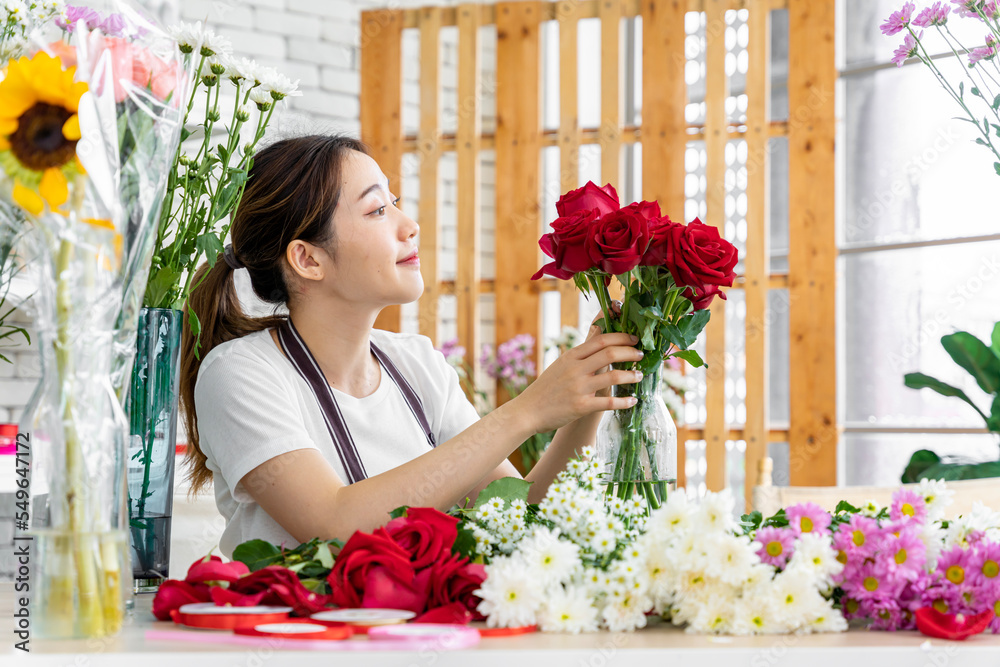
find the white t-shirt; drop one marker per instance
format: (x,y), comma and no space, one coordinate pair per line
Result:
(252,406)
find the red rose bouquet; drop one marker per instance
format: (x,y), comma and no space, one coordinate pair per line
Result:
(670,273)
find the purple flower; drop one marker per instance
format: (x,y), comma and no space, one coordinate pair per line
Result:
(907,49)
(984,565)
(114,25)
(987,52)
(904,551)
(936,14)
(975,9)
(953,571)
(775,545)
(872,580)
(898,20)
(887,615)
(452,350)
(908,505)
(808,518)
(858,538)
(76,13)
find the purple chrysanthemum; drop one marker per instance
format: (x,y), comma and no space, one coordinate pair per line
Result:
(987,52)
(898,20)
(984,565)
(903,550)
(858,538)
(776,545)
(907,49)
(936,14)
(808,518)
(908,505)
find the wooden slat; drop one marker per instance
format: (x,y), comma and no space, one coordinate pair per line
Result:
(469,128)
(812,244)
(664,95)
(756,260)
(630,134)
(611,93)
(430,155)
(381,107)
(588,9)
(569,136)
(518,156)
(717,90)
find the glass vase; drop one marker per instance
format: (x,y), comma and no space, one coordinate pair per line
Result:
(153,419)
(637,447)
(75,504)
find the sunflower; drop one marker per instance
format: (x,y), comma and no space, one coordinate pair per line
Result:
(39,128)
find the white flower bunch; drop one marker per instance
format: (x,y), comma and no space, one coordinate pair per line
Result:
(578,572)
(18,18)
(701,573)
(981,519)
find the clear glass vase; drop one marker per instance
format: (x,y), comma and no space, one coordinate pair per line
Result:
(153,434)
(80,579)
(637,447)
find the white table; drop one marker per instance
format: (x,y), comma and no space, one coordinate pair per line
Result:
(660,646)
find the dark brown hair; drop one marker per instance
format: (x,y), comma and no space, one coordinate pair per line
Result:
(291,193)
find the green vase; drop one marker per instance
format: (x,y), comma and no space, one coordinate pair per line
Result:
(152,445)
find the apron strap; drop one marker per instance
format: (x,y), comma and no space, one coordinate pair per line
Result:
(307,367)
(303,362)
(412,400)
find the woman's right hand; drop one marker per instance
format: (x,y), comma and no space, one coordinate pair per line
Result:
(567,389)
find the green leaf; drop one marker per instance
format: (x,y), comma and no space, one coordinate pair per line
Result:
(993,422)
(751,522)
(691,357)
(996,165)
(974,356)
(223,152)
(995,340)
(961,89)
(921,381)
(921,460)
(844,506)
(975,91)
(465,543)
(398,512)
(956,471)
(996,103)
(979,140)
(160,286)
(324,555)
(779,520)
(508,488)
(195,325)
(257,554)
(209,245)
(648,337)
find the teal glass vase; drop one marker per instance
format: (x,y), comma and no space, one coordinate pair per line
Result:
(152,443)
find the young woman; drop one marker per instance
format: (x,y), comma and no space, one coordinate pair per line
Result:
(316,424)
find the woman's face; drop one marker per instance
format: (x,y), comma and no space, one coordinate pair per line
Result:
(374,241)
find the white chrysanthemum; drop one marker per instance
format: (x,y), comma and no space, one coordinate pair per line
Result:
(16,10)
(279,85)
(518,505)
(587,453)
(673,519)
(188,35)
(213,44)
(730,557)
(568,610)
(824,618)
(937,495)
(715,512)
(551,559)
(814,555)
(870,509)
(716,615)
(794,595)
(626,613)
(603,543)
(511,595)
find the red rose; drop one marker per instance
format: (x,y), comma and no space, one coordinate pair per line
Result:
(618,241)
(174,594)
(280,586)
(223,597)
(650,210)
(590,197)
(567,245)
(450,614)
(659,231)
(455,579)
(360,555)
(703,298)
(425,533)
(697,256)
(211,568)
(384,589)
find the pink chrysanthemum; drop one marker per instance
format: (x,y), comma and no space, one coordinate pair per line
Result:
(984,565)
(907,49)
(967,8)
(886,614)
(898,20)
(808,518)
(987,52)
(908,505)
(872,580)
(903,549)
(954,570)
(857,539)
(936,14)
(775,545)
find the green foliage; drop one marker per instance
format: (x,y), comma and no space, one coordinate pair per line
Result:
(982,362)
(311,561)
(507,488)
(9,268)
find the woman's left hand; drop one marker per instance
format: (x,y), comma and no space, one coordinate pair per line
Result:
(616,310)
